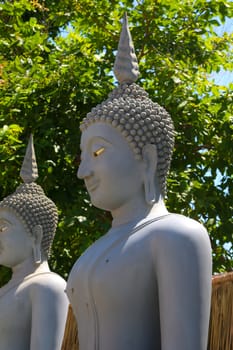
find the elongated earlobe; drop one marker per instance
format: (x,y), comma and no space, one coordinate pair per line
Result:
(150,196)
(149,155)
(37,237)
(37,254)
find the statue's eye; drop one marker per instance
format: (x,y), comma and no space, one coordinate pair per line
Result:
(99,151)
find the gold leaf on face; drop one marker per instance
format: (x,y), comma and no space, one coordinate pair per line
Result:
(99,151)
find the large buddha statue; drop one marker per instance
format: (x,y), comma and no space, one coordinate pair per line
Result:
(146,283)
(33,305)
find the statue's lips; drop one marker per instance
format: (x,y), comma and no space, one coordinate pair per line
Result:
(91,186)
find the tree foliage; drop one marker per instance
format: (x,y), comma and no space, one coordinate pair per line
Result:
(56,60)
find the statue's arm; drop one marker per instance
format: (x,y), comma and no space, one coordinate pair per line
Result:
(49,312)
(183,270)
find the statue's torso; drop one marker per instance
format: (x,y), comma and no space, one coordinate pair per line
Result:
(113,291)
(113,286)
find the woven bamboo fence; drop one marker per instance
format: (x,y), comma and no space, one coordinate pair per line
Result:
(221,317)
(70,339)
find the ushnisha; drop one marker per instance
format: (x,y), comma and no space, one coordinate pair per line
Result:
(146,284)
(33,303)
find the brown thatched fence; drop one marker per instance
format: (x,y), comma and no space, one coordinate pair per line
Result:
(221,317)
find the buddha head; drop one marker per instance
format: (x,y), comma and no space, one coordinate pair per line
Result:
(144,125)
(28,206)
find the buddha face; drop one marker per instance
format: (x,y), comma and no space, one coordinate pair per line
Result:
(112,175)
(15,243)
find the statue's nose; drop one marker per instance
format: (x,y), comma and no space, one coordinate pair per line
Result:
(84,170)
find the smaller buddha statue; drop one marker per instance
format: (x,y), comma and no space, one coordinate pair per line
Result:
(146,283)
(33,304)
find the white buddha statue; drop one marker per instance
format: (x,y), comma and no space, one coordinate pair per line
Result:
(33,305)
(145,284)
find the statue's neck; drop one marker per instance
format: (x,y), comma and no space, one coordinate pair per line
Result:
(22,271)
(138,211)
(28,267)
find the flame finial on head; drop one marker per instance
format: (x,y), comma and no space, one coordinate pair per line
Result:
(126,68)
(29,171)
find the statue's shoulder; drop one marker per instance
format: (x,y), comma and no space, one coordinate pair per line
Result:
(175,224)
(49,305)
(46,283)
(179,244)
(177,231)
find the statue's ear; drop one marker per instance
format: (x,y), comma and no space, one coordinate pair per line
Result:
(37,232)
(150,158)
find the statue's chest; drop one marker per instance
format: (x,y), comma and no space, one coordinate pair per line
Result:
(109,269)
(14,312)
